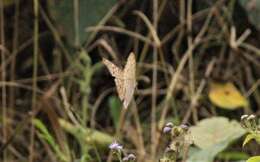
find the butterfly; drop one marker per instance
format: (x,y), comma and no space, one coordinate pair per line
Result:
(125,79)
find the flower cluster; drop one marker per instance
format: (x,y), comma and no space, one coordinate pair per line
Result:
(249,122)
(175,130)
(178,141)
(115,146)
(117,149)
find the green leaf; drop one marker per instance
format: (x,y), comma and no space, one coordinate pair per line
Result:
(254,159)
(115,108)
(211,131)
(207,155)
(212,136)
(252,8)
(233,155)
(45,134)
(90,12)
(251,136)
(248,138)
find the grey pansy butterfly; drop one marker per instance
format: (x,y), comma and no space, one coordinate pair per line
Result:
(124,78)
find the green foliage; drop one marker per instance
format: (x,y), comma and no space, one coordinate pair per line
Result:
(254,159)
(211,131)
(212,136)
(232,155)
(114,109)
(88,13)
(45,134)
(207,155)
(250,137)
(87,137)
(86,70)
(250,123)
(252,8)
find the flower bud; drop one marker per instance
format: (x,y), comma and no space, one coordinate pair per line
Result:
(131,157)
(115,146)
(184,127)
(168,127)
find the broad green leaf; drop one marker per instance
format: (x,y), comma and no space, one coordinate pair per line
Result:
(215,130)
(89,13)
(254,159)
(115,109)
(212,136)
(227,96)
(207,155)
(252,8)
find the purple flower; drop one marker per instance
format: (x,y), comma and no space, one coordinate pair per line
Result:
(115,146)
(167,129)
(184,127)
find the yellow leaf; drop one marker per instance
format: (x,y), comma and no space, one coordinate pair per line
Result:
(227,96)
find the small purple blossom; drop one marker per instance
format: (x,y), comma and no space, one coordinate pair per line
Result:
(115,146)
(167,129)
(184,127)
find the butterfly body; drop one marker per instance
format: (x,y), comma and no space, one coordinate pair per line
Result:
(125,79)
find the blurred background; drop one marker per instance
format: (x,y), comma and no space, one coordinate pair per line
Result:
(198,63)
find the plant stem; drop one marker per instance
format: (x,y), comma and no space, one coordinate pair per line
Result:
(35,69)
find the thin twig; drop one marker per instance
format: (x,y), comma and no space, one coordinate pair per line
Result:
(154,81)
(4,113)
(35,69)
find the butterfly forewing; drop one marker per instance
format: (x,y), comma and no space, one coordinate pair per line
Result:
(113,69)
(129,79)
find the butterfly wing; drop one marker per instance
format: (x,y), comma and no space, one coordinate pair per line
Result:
(118,74)
(129,79)
(113,69)
(120,88)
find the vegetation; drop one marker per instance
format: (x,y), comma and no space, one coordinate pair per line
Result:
(196,75)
